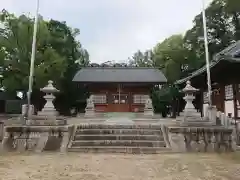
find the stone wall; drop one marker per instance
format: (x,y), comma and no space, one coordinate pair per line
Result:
(36,138)
(202,139)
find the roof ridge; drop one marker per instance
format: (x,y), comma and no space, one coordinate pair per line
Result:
(226,50)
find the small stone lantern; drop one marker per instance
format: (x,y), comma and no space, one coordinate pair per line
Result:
(49,109)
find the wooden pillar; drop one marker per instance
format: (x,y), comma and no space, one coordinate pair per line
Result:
(222,97)
(130,101)
(201,102)
(235,92)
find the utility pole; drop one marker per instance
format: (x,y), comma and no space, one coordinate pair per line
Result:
(30,83)
(207,54)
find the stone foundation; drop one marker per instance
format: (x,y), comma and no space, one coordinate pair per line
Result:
(119,134)
(35,138)
(202,139)
(46,121)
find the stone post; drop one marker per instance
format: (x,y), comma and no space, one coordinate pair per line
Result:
(24,109)
(7,142)
(65,140)
(212,114)
(177,142)
(42,142)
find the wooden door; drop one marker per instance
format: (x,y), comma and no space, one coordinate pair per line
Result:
(120,103)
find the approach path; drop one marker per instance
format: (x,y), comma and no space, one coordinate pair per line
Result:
(76,166)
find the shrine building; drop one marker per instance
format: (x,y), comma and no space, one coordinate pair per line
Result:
(119,89)
(225,82)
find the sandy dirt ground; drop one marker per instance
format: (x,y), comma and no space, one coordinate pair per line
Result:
(76,166)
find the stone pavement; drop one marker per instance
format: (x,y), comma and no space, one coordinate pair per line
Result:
(118,167)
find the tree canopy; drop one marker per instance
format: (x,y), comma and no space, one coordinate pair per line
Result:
(179,55)
(58,53)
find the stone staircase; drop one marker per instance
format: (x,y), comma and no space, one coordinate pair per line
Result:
(118,139)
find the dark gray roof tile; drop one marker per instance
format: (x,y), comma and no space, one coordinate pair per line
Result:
(120,74)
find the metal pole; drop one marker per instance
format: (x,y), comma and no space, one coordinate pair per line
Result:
(30,83)
(207,54)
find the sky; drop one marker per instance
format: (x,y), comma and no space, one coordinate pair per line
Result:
(115,29)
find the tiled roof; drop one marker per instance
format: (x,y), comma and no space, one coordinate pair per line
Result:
(120,74)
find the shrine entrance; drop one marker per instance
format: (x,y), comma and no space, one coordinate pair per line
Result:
(120,100)
(120,103)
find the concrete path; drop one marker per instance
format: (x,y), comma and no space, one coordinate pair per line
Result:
(118,167)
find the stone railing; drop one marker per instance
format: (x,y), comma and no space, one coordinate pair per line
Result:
(34,138)
(224,120)
(202,139)
(218,117)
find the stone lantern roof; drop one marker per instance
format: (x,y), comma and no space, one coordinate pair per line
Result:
(189,89)
(49,88)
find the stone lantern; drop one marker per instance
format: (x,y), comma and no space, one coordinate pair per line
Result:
(49,109)
(189,112)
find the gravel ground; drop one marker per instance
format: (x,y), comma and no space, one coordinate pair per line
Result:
(74,166)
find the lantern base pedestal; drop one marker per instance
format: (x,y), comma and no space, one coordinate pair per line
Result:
(90,112)
(148,112)
(191,117)
(48,112)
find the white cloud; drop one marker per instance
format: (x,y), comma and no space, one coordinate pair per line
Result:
(115,29)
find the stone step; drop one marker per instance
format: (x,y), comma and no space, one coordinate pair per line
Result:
(118,126)
(117,137)
(119,149)
(120,131)
(129,143)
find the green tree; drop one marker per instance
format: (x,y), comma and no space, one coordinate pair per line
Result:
(64,41)
(232,7)
(222,26)
(58,57)
(142,59)
(173,56)
(16,41)
(165,97)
